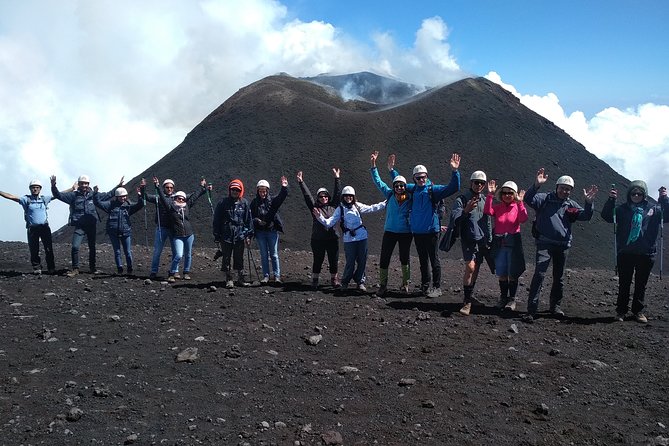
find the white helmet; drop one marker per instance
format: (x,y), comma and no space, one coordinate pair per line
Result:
(510,185)
(348,190)
(181,194)
(566,180)
(478,175)
(262,183)
(419,169)
(399,179)
(321,190)
(83,179)
(35,183)
(120,192)
(168,181)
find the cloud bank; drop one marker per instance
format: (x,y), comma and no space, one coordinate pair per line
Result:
(107,88)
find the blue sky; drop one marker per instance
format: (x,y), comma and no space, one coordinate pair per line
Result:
(86,83)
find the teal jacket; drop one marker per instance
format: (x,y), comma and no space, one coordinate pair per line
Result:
(397,215)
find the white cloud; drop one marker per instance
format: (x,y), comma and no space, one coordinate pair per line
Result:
(634,141)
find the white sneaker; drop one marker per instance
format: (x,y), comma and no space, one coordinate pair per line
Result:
(362,287)
(229,284)
(264,280)
(433,292)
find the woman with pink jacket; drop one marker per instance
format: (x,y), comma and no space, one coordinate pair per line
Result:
(507,248)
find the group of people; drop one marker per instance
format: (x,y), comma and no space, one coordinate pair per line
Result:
(486,218)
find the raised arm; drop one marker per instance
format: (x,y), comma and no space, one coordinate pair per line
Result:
(9,196)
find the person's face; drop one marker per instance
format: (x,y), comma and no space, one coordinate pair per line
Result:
(84,186)
(122,198)
(563,191)
(507,195)
(180,199)
(262,192)
(399,188)
(168,188)
(477,186)
(636,195)
(35,190)
(323,198)
(420,178)
(347,198)
(235,193)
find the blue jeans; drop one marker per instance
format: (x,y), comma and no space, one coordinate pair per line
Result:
(80,232)
(161,236)
(543,259)
(116,243)
(268,244)
(355,253)
(182,248)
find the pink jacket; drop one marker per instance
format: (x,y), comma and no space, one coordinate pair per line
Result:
(508,217)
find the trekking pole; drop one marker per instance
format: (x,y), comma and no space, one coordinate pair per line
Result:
(615,237)
(160,233)
(255,265)
(661,238)
(211,205)
(146,224)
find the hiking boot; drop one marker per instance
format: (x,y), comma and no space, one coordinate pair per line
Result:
(187,276)
(264,280)
(73,272)
(52,271)
(130,271)
(528,318)
(344,286)
(153,276)
(277,280)
(37,271)
(466,309)
(510,305)
(639,317)
(557,311)
(381,291)
(95,271)
(620,317)
(433,292)
(171,278)
(362,287)
(229,284)
(335,281)
(405,289)
(119,270)
(501,303)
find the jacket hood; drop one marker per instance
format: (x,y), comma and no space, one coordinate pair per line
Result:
(637,184)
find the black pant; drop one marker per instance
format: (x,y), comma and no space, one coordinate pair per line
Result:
(388,245)
(35,233)
(627,265)
(543,259)
(236,250)
(426,247)
(319,248)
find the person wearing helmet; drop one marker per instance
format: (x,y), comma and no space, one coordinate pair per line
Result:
(507,249)
(83,216)
(323,240)
(555,213)
(396,229)
(349,215)
(163,221)
(233,229)
(424,221)
(35,206)
(266,226)
(182,230)
(119,226)
(475,230)
(638,226)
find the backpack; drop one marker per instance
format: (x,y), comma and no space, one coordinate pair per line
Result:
(343,227)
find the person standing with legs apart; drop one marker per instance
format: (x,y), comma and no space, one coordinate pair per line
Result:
(266,226)
(639,223)
(424,219)
(179,206)
(475,229)
(35,208)
(163,231)
(83,216)
(507,247)
(349,215)
(119,226)
(555,213)
(396,229)
(323,240)
(233,229)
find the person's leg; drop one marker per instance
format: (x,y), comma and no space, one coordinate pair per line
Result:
(33,246)
(262,238)
(91,237)
(318,249)
(332,248)
(350,254)
(273,246)
(387,247)
(188,253)
(48,248)
(126,242)
(238,260)
(502,270)
(644,265)
(625,274)
(116,246)
(405,247)
(77,238)
(542,261)
(361,261)
(422,249)
(433,255)
(559,256)
(178,244)
(226,249)
(159,239)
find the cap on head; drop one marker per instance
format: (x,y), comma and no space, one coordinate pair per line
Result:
(565,180)
(510,185)
(322,190)
(478,175)
(181,194)
(399,179)
(120,192)
(419,169)
(168,181)
(35,183)
(262,183)
(84,179)
(348,190)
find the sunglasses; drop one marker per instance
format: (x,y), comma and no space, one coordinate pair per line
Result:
(179,199)
(507,193)
(399,186)
(637,194)
(421,177)
(347,196)
(323,196)
(479,182)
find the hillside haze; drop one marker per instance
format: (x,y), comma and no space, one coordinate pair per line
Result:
(281,124)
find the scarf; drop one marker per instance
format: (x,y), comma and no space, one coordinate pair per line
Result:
(635,228)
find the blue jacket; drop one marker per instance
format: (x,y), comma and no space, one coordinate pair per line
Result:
(424,218)
(397,215)
(118,222)
(35,209)
(473,227)
(82,208)
(554,217)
